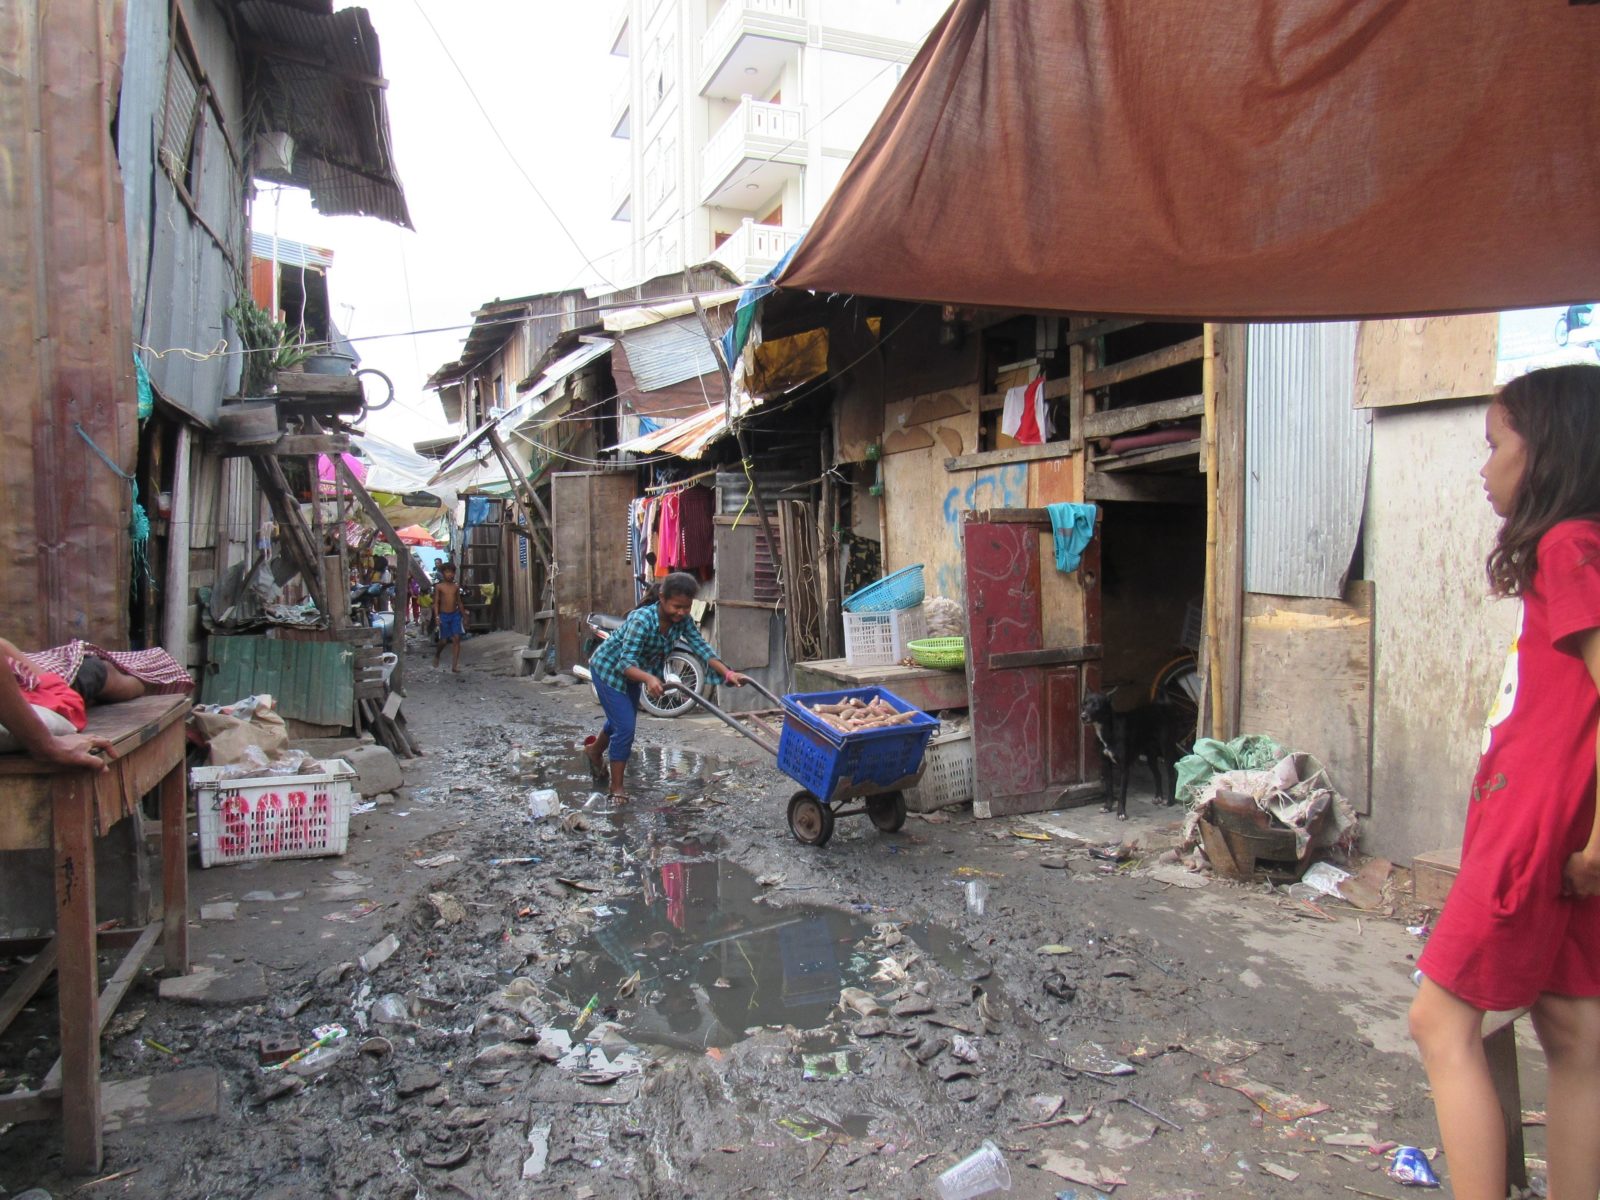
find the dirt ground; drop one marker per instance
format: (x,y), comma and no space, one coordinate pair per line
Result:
(675,998)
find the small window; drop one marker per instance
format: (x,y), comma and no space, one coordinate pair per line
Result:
(183,122)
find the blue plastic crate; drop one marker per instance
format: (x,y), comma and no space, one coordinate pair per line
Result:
(823,760)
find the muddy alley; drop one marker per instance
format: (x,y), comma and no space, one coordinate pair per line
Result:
(559,996)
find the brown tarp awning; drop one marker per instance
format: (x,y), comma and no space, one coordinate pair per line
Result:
(1250,159)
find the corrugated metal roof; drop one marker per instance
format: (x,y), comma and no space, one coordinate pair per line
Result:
(1306,451)
(311,681)
(690,437)
(669,352)
(321,81)
(289,252)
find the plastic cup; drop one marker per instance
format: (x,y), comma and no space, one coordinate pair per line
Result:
(980,1173)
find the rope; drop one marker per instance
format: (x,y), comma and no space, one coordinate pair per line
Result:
(139,521)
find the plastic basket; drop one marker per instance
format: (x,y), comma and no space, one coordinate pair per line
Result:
(903,589)
(272,816)
(946,773)
(880,639)
(830,764)
(940,654)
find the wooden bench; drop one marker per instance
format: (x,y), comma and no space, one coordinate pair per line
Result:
(1432,875)
(46,807)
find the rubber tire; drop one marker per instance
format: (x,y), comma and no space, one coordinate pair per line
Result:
(1176,686)
(1563,330)
(810,820)
(672,704)
(888,811)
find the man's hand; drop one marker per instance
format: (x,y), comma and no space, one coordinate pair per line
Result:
(734,679)
(654,686)
(75,751)
(1581,875)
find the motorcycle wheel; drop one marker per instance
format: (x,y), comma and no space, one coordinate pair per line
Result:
(692,672)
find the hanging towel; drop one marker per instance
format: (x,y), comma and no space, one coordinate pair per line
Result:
(1024,416)
(477,510)
(1073,528)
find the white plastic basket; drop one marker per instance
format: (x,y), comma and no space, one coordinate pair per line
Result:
(272,816)
(947,777)
(878,639)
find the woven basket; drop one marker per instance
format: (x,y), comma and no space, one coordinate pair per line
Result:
(903,589)
(940,654)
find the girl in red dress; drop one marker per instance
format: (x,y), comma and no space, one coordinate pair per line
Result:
(1522,925)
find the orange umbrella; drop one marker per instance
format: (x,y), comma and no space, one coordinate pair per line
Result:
(416,535)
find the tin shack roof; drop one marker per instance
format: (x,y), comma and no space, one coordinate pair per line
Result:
(320,79)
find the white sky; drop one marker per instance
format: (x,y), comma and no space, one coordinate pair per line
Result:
(542,70)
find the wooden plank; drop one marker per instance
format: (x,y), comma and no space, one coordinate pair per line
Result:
(1417,360)
(77,974)
(931,691)
(1098,329)
(1433,875)
(1043,658)
(1113,421)
(1307,681)
(30,1106)
(27,982)
(1134,459)
(1013,454)
(1151,489)
(303,385)
(1228,383)
(298,444)
(1009,516)
(1054,389)
(115,989)
(1145,364)
(1500,1049)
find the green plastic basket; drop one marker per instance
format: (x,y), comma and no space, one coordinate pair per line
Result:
(941,654)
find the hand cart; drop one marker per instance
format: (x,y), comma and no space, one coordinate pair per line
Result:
(833,767)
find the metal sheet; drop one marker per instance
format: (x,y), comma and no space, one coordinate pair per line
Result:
(668,353)
(1306,453)
(311,681)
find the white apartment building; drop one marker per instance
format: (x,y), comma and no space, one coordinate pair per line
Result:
(741,116)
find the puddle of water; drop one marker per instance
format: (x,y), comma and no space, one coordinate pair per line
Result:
(712,962)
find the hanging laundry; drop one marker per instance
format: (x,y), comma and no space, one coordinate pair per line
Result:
(1025,416)
(1072,529)
(696,531)
(477,510)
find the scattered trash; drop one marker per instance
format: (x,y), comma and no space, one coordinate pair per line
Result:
(1324,877)
(1075,1170)
(269,897)
(1044,1106)
(447,908)
(1410,1167)
(538,1152)
(1091,1058)
(221,911)
(1058,985)
(364,806)
(580,885)
(379,954)
(1054,948)
(964,1050)
(1055,862)
(586,1013)
(1222,1051)
(832,1066)
(981,1173)
(1283,1173)
(862,1003)
(1118,853)
(512,862)
(327,1037)
(437,860)
(1283,1105)
(543,802)
(801,1127)
(977,897)
(1030,836)
(365,909)
(391,1009)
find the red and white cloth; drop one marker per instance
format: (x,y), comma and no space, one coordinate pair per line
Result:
(160,672)
(1025,416)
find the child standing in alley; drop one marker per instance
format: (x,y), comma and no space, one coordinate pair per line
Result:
(1522,924)
(633,658)
(447,602)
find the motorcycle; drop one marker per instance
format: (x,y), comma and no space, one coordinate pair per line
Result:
(693,672)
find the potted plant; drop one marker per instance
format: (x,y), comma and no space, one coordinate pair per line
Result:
(268,345)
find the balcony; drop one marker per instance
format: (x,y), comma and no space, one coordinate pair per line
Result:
(753,249)
(746,162)
(747,45)
(622,195)
(620,108)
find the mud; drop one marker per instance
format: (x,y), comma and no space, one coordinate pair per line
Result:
(672,997)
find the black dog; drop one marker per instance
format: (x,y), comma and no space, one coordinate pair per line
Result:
(1149,732)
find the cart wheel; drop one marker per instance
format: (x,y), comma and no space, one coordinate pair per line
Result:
(810,820)
(888,812)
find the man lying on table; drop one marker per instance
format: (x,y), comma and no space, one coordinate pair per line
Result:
(32,716)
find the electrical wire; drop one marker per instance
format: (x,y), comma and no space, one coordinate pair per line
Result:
(506,146)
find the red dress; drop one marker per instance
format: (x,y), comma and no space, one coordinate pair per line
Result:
(1506,934)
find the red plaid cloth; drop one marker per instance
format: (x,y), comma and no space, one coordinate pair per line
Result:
(162,674)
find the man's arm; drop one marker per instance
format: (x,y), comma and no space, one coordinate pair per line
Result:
(17,715)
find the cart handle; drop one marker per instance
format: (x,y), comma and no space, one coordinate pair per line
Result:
(674,684)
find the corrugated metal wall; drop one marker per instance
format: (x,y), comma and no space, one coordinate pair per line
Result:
(1306,452)
(311,681)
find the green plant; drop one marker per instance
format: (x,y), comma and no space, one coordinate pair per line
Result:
(268,345)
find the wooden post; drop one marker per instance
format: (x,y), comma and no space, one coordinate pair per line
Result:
(1225,483)
(175,870)
(175,610)
(77,972)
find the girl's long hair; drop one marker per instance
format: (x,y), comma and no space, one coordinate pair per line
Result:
(1556,411)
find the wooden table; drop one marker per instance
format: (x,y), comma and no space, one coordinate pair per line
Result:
(64,809)
(929,690)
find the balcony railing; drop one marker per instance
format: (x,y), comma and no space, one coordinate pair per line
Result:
(757,129)
(753,250)
(782,19)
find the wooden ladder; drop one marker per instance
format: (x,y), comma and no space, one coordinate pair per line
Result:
(537,651)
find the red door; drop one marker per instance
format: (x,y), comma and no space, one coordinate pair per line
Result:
(1030,750)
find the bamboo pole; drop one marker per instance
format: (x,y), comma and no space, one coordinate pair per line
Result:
(1213,664)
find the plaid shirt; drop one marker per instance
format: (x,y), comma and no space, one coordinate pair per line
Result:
(640,643)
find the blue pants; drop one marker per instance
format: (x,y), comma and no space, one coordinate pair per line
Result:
(622,716)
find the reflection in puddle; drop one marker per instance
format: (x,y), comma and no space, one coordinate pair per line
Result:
(712,962)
